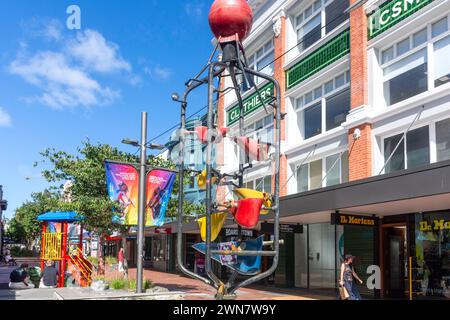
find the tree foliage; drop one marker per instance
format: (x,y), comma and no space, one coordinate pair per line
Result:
(24,227)
(86,171)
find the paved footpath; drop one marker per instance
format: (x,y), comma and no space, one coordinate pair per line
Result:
(192,289)
(197,290)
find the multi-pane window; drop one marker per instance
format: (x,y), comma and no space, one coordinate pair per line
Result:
(332,99)
(324,172)
(262,61)
(415,150)
(263,184)
(406,64)
(320,15)
(443,140)
(261,130)
(412,152)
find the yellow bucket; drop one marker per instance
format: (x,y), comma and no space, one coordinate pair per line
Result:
(201,180)
(217,221)
(244,193)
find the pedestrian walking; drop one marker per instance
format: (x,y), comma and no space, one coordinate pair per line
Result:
(349,277)
(121,260)
(49,276)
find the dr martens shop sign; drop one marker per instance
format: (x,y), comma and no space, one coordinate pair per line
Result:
(353,220)
(435,225)
(392,12)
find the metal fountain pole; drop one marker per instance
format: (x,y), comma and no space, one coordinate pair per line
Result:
(141,206)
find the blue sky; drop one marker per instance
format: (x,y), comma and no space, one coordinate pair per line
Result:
(60,86)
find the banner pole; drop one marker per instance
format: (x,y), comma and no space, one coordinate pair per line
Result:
(141,211)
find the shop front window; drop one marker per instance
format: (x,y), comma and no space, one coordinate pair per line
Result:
(432,253)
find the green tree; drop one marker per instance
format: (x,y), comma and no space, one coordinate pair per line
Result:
(89,194)
(24,227)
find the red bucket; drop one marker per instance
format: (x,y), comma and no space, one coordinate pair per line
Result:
(202,133)
(247,212)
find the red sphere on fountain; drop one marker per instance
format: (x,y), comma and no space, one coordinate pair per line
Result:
(230,17)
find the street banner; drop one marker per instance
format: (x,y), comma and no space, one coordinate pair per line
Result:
(123,186)
(159,189)
(245,265)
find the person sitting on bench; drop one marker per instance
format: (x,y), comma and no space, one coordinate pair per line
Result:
(19,278)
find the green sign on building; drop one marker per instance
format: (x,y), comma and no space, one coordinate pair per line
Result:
(391,13)
(330,52)
(251,103)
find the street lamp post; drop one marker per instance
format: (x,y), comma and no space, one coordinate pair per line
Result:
(3,205)
(141,206)
(143,144)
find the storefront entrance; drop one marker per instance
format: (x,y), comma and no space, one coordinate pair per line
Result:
(394,262)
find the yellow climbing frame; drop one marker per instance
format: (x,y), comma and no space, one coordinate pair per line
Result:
(51,246)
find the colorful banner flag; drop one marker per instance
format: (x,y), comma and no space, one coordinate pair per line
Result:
(159,189)
(123,187)
(245,265)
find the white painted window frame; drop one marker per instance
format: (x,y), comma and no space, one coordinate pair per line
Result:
(322,100)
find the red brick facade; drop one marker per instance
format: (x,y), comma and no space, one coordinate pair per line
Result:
(280,75)
(360,151)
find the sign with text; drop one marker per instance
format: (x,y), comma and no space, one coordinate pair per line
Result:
(284,228)
(353,220)
(251,103)
(391,13)
(230,232)
(435,225)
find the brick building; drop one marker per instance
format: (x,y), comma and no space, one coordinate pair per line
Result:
(365,89)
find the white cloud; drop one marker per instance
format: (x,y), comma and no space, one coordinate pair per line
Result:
(158,72)
(5,118)
(93,51)
(66,76)
(194,9)
(53,30)
(163,73)
(48,29)
(63,84)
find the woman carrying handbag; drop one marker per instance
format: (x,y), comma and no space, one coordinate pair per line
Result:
(347,283)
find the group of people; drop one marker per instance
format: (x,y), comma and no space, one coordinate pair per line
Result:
(26,277)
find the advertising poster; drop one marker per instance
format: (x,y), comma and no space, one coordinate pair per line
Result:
(123,187)
(159,189)
(122,182)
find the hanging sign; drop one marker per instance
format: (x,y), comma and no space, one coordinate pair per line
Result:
(353,220)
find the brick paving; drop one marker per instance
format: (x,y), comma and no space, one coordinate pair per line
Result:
(197,290)
(193,289)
